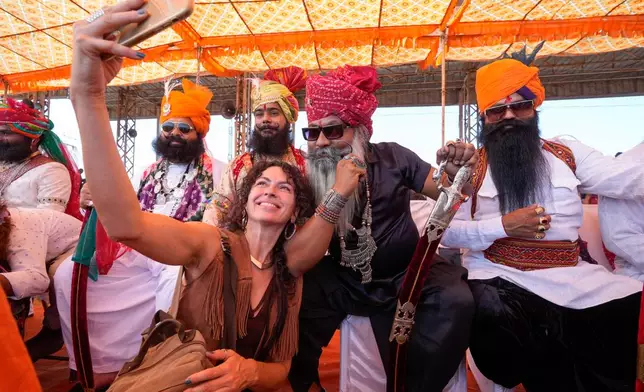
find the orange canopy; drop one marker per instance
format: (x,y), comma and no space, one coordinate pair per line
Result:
(257,35)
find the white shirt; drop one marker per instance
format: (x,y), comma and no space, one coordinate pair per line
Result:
(578,287)
(46,186)
(120,305)
(420,210)
(37,236)
(622,226)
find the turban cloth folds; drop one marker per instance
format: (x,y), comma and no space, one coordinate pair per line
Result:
(348,93)
(29,122)
(278,86)
(192,104)
(503,78)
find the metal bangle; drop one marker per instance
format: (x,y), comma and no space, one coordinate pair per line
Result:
(331,206)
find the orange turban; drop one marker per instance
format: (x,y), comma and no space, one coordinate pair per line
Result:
(192,103)
(505,77)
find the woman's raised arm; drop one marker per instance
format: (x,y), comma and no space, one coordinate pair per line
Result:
(159,237)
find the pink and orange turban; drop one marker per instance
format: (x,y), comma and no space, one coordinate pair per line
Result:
(192,103)
(505,77)
(348,92)
(24,120)
(29,122)
(278,86)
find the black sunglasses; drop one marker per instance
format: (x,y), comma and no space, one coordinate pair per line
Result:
(521,109)
(330,132)
(169,126)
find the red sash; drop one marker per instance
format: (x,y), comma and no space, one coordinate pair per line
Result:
(639,381)
(527,255)
(523,254)
(80,333)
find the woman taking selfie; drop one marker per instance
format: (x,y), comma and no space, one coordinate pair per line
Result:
(274,197)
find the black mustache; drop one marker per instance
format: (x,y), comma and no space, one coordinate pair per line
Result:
(263,127)
(177,139)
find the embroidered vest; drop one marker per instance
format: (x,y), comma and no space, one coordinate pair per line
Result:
(559,150)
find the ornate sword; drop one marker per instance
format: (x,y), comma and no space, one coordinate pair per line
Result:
(447,204)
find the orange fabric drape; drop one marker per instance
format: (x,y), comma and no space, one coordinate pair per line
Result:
(18,372)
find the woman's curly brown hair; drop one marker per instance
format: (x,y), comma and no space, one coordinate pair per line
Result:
(236,218)
(283,284)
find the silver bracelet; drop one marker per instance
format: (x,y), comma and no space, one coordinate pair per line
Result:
(331,206)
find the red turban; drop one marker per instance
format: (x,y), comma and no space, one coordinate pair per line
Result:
(347,92)
(505,77)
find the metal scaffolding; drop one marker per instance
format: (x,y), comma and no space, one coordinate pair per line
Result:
(126,127)
(469,124)
(43,101)
(243,120)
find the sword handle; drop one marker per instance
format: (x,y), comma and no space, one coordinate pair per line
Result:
(449,200)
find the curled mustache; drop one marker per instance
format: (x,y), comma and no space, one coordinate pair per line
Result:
(494,132)
(329,153)
(267,126)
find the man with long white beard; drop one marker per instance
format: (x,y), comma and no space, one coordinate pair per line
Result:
(544,317)
(130,289)
(275,110)
(372,239)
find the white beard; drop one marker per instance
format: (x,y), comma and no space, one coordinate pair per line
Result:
(321,167)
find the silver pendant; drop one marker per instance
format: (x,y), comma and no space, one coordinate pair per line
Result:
(158,175)
(157,188)
(191,176)
(178,193)
(161,199)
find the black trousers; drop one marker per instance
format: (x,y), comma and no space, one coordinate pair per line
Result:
(519,337)
(439,337)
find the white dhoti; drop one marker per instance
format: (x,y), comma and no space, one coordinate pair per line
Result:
(120,305)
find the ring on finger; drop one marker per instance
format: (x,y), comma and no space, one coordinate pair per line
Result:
(358,162)
(539,210)
(543,220)
(541,228)
(539,236)
(97,14)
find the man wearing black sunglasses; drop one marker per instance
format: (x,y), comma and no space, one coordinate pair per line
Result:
(545,318)
(275,111)
(365,223)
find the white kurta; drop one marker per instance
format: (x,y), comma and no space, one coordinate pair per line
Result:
(121,304)
(37,237)
(46,186)
(578,287)
(622,226)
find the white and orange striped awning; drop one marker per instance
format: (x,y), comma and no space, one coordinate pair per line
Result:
(255,35)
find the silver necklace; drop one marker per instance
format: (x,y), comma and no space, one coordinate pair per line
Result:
(164,192)
(359,259)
